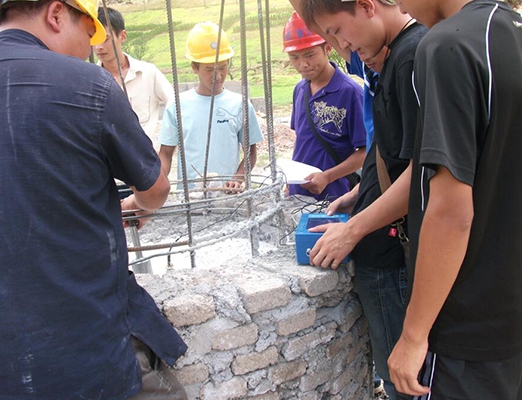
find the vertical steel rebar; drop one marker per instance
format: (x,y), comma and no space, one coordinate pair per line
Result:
(146,266)
(111,34)
(181,146)
(212,98)
(267,84)
(267,80)
(268,96)
(254,237)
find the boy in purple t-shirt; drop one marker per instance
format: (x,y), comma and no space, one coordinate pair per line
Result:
(335,143)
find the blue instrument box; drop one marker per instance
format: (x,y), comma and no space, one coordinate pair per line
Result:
(305,241)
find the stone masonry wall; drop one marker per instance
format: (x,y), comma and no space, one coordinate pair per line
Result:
(266,330)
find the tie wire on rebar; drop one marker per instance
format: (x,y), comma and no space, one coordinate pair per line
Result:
(189,205)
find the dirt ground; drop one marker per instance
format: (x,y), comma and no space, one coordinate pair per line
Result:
(284,138)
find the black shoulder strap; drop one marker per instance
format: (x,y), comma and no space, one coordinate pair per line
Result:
(329,149)
(354,177)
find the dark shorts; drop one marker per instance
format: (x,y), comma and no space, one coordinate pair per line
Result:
(451,379)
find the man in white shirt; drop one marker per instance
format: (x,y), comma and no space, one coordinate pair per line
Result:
(147,88)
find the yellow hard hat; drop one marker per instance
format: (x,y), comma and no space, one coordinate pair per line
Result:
(89,7)
(202,44)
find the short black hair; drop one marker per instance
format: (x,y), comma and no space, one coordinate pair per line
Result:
(197,64)
(115,17)
(312,8)
(22,7)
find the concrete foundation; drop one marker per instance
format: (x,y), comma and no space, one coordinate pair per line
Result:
(267,329)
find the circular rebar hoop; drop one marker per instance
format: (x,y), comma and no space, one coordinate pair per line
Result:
(189,206)
(227,231)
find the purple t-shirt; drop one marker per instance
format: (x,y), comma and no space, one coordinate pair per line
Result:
(337,112)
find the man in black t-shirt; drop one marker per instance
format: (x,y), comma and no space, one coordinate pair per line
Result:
(463,326)
(367,26)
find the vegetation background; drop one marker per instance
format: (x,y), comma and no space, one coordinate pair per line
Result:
(148,39)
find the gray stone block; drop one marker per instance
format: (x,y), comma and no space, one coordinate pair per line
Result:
(234,338)
(310,382)
(298,346)
(285,372)
(316,281)
(193,391)
(263,295)
(296,322)
(231,389)
(192,374)
(266,396)
(189,310)
(352,313)
(252,362)
(341,382)
(311,396)
(342,344)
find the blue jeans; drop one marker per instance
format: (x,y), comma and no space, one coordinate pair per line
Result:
(382,292)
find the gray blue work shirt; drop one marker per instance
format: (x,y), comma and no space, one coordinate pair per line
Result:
(68,304)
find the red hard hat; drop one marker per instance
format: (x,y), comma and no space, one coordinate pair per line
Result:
(297,36)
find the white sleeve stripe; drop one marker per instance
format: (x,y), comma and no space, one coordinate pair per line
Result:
(490,84)
(423,200)
(414,88)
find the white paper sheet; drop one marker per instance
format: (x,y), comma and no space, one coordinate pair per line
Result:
(296,171)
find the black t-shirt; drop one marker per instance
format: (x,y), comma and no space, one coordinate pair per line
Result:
(395,119)
(468,77)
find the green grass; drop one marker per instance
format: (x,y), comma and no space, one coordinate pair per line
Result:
(148,39)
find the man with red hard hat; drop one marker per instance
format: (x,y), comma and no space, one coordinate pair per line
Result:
(326,116)
(75,323)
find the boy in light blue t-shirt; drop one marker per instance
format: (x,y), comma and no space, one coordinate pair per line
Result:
(227,118)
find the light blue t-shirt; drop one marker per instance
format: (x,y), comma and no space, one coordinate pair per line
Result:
(226,132)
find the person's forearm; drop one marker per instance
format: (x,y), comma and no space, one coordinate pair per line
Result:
(240,173)
(165,154)
(253,159)
(351,164)
(153,198)
(443,242)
